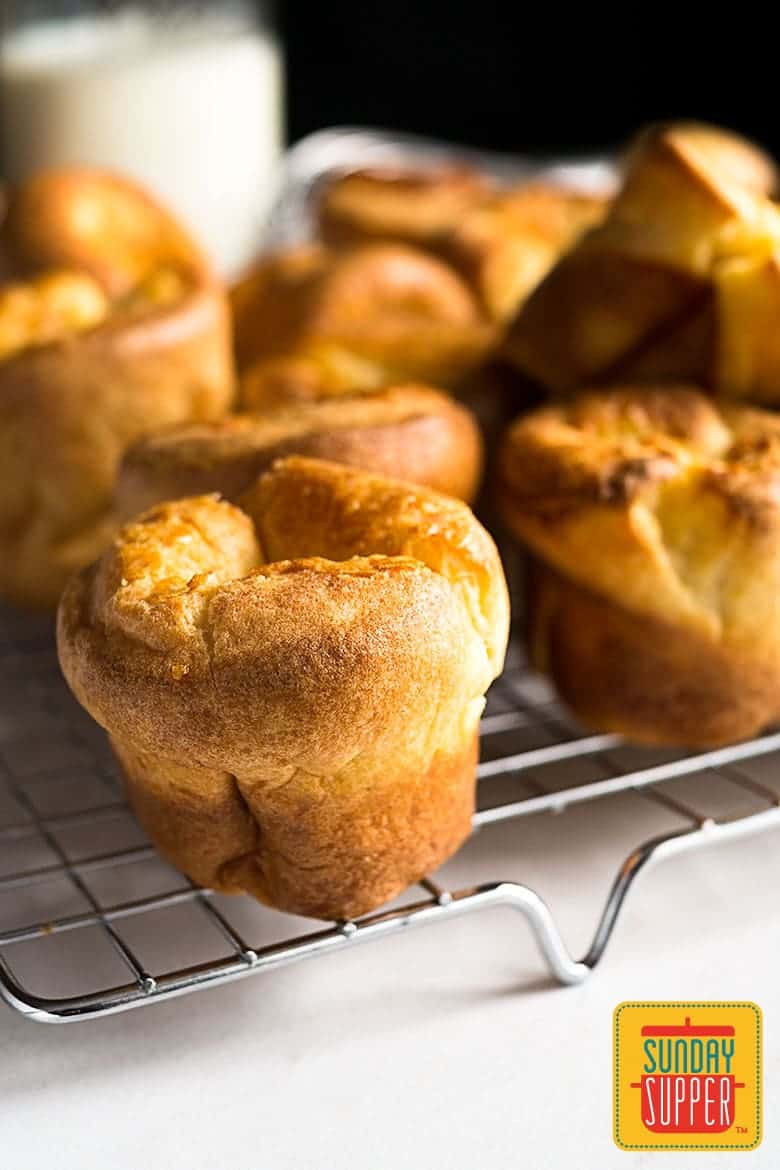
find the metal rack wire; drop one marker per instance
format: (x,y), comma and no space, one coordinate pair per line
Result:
(80,887)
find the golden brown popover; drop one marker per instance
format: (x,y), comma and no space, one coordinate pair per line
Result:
(405,204)
(742,161)
(406,432)
(653,517)
(682,280)
(313,321)
(294,689)
(506,244)
(111,323)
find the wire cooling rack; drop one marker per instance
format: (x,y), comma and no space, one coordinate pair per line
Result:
(93,922)
(83,894)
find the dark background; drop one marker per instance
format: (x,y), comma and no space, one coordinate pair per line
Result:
(503,77)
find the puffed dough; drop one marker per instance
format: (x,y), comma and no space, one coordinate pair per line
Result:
(294,686)
(653,517)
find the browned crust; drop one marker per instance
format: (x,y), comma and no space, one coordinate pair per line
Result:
(330,655)
(599,310)
(393,203)
(614,446)
(406,432)
(642,678)
(606,446)
(332,854)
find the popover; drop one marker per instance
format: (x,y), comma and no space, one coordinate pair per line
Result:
(744,162)
(682,280)
(294,687)
(312,321)
(502,240)
(406,432)
(110,323)
(404,204)
(653,520)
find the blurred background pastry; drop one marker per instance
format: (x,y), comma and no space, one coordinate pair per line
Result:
(354,319)
(507,243)
(414,206)
(740,160)
(111,323)
(503,239)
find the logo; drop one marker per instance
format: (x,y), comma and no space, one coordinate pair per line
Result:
(687,1076)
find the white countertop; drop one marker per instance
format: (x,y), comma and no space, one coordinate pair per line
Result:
(445,1047)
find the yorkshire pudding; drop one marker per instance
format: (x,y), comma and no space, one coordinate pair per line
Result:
(110,324)
(312,321)
(407,432)
(653,517)
(682,280)
(405,204)
(743,162)
(294,688)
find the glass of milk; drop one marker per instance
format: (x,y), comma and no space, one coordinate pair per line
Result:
(186,97)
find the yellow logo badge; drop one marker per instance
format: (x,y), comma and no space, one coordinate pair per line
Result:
(687,1076)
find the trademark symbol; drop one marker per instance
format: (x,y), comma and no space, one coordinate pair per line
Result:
(741,1128)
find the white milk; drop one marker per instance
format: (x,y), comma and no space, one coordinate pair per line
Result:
(194,111)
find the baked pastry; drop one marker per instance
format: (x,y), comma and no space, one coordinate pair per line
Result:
(110,324)
(653,519)
(96,222)
(503,241)
(742,161)
(404,204)
(312,321)
(681,281)
(408,432)
(507,243)
(294,688)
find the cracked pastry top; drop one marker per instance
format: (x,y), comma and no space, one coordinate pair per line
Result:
(111,322)
(294,686)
